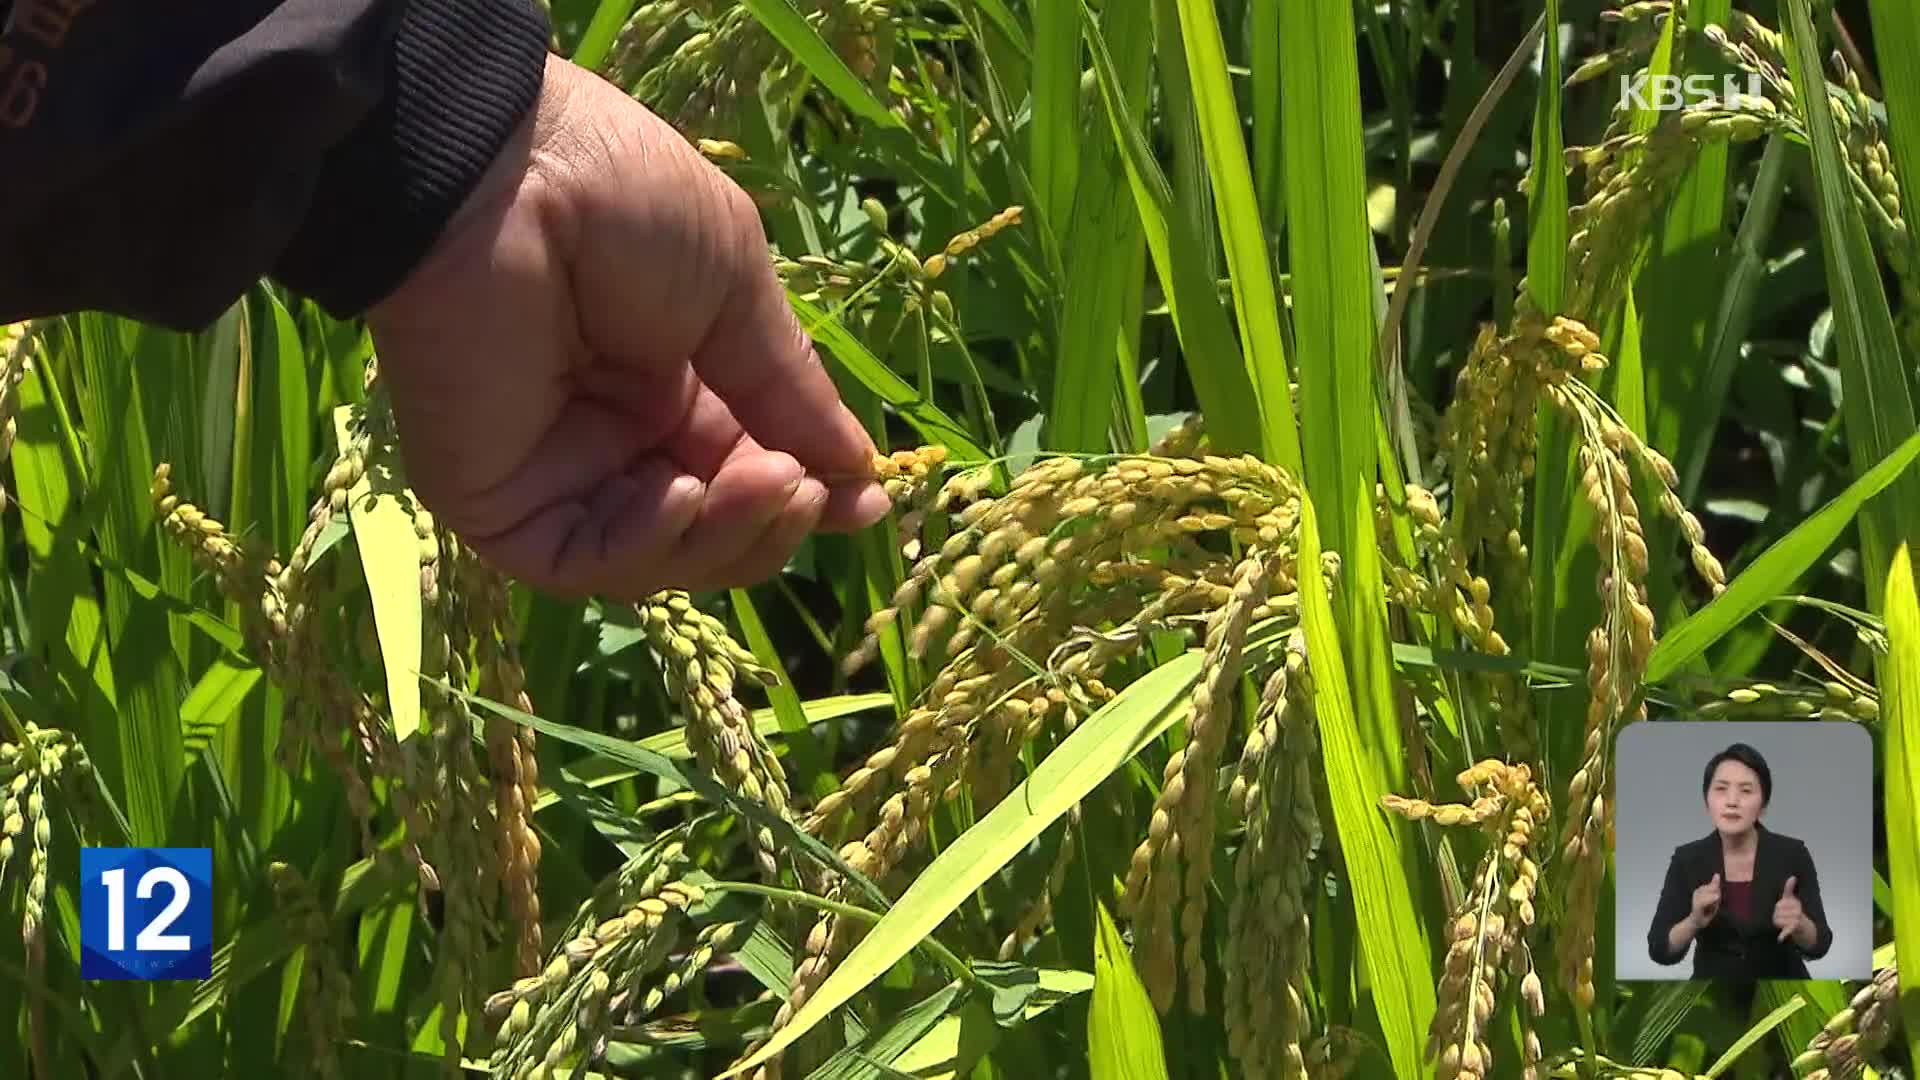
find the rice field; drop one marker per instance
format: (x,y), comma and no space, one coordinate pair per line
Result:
(1314,432)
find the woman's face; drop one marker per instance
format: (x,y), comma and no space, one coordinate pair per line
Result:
(1733,798)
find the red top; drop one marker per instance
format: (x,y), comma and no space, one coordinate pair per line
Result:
(1738,895)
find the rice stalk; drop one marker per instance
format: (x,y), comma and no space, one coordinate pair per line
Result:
(1490,926)
(1852,1039)
(1267,922)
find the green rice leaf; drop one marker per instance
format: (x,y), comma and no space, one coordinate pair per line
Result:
(928,418)
(213,701)
(1103,246)
(1335,290)
(1753,1035)
(659,766)
(1547,201)
(1896,33)
(1393,946)
(1053,135)
(1221,380)
(1101,744)
(809,764)
(1875,396)
(390,557)
(792,30)
(1256,299)
(1123,1031)
(1900,713)
(884,1045)
(609,17)
(1777,568)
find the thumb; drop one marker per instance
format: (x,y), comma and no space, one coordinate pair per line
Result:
(1789,889)
(1715,882)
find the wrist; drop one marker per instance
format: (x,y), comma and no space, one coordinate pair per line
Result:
(462,78)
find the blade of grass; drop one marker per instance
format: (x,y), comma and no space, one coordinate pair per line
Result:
(1101,744)
(1875,397)
(1824,998)
(674,743)
(147,676)
(1547,201)
(283,423)
(1179,131)
(1264,40)
(1334,288)
(1753,1035)
(1746,273)
(213,701)
(1670,1004)
(797,36)
(809,763)
(1392,937)
(884,1046)
(64,613)
(1221,382)
(276,472)
(1123,1031)
(1431,219)
(938,1054)
(609,16)
(927,418)
(390,558)
(1256,301)
(1053,132)
(657,765)
(1900,712)
(1770,575)
(1003,20)
(1682,283)
(1101,248)
(1896,37)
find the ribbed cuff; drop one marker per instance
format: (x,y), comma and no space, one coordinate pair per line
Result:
(462,75)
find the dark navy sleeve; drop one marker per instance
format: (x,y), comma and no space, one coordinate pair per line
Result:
(158,159)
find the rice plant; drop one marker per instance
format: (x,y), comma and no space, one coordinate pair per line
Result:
(1314,432)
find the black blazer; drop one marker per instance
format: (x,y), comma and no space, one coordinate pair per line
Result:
(1730,947)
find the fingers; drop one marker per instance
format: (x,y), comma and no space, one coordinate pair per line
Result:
(614,541)
(711,433)
(656,526)
(1789,889)
(776,543)
(852,506)
(761,362)
(750,493)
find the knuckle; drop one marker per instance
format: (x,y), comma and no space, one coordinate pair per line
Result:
(742,217)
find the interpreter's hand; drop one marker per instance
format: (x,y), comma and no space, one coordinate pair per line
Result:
(1706,902)
(597,379)
(1787,912)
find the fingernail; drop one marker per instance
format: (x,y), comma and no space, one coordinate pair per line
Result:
(872,505)
(810,494)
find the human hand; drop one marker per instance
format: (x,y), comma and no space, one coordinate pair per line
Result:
(1787,912)
(1706,902)
(597,380)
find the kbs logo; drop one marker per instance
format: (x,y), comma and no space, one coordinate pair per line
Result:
(1667,93)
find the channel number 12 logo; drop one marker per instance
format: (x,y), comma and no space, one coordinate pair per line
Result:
(146,913)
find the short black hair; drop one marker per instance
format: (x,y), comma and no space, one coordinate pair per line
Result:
(1745,755)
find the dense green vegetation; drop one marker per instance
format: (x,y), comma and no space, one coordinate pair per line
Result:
(1316,430)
